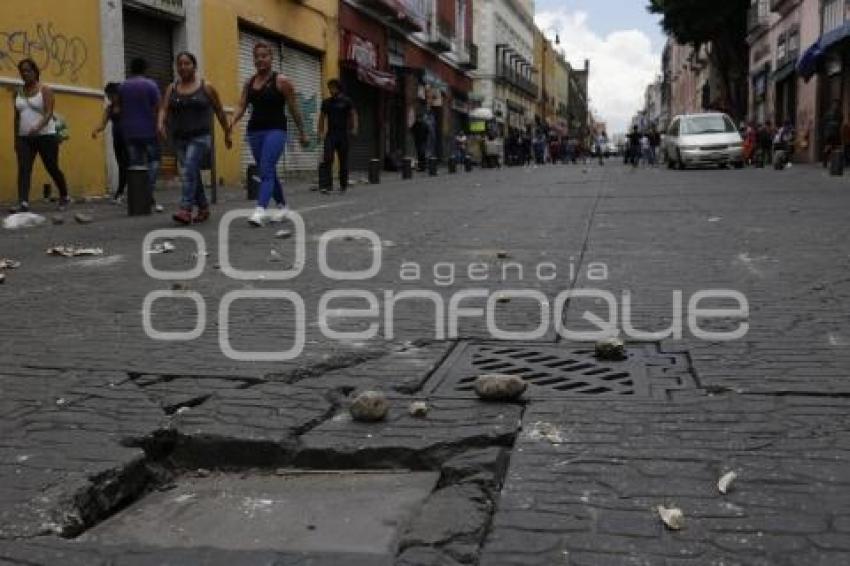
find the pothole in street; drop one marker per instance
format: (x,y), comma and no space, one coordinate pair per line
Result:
(356,511)
(565,371)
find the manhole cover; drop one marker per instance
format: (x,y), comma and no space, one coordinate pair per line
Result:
(564,371)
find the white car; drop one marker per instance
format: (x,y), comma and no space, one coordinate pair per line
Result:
(703,139)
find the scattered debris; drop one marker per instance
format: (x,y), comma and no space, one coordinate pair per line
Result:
(725,482)
(546,431)
(500,387)
(369,406)
(73,251)
(418,409)
(283,234)
(83,218)
(6,263)
(166,247)
(202,472)
(502,298)
(179,286)
(502,254)
(61,401)
(715,219)
(274,256)
(57,219)
(23,220)
(612,349)
(672,517)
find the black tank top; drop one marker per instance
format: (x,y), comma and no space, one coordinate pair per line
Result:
(191,114)
(268,106)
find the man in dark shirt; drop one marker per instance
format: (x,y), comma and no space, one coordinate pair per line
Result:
(140,99)
(337,119)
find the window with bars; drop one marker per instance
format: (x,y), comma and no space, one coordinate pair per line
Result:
(832,15)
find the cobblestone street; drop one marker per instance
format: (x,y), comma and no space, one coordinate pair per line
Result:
(95,415)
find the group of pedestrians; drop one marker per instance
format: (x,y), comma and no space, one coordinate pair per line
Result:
(142,120)
(764,141)
(642,147)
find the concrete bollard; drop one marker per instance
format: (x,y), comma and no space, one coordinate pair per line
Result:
(139,199)
(432,166)
(407,168)
(374,171)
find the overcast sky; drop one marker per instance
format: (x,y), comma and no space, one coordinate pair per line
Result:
(621,39)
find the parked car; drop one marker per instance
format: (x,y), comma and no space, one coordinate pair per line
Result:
(703,139)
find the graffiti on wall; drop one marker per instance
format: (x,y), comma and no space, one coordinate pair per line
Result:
(308,105)
(54,52)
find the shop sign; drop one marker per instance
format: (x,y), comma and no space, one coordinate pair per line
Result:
(362,51)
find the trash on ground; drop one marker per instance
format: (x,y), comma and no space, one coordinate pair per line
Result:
(23,220)
(502,254)
(6,263)
(165,247)
(500,387)
(369,406)
(672,517)
(546,431)
(725,482)
(418,409)
(73,251)
(283,234)
(83,218)
(715,219)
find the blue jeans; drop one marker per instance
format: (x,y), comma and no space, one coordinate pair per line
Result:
(190,155)
(145,153)
(267,147)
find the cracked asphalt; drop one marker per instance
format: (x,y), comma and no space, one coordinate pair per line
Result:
(94,414)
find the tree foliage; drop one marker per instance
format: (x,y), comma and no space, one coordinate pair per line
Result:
(722,24)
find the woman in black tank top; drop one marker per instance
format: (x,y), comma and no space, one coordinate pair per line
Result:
(188,106)
(268,94)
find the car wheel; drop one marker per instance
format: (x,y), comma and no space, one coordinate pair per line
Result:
(680,165)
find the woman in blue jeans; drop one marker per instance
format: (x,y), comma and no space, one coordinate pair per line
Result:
(268,94)
(187,107)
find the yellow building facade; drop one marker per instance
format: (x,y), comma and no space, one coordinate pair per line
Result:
(67,49)
(92,44)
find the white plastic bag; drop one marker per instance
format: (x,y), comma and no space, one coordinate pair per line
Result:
(23,220)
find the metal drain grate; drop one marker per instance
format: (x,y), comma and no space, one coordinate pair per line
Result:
(563,371)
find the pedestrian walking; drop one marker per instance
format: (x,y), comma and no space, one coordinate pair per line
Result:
(140,99)
(36,134)
(419,131)
(633,151)
(337,120)
(112,115)
(268,94)
(601,147)
(832,122)
(186,112)
(654,144)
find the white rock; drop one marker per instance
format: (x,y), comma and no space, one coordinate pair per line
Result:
(500,387)
(672,517)
(418,409)
(725,482)
(369,406)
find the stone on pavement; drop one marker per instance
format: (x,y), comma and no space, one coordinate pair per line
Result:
(369,406)
(497,387)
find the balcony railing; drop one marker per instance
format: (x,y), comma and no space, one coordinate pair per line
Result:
(758,15)
(470,58)
(510,76)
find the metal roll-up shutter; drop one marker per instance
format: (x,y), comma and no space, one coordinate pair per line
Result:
(364,146)
(150,38)
(304,70)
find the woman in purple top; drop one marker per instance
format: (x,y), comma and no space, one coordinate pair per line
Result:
(268,94)
(188,106)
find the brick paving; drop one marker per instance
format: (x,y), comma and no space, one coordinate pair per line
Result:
(94,413)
